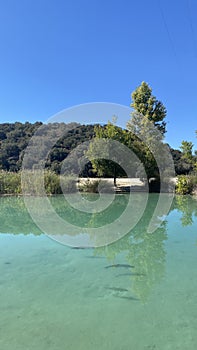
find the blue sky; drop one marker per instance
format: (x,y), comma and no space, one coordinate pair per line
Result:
(57,54)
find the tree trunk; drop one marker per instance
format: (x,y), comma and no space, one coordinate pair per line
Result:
(115,176)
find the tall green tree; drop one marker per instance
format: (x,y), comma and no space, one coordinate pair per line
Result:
(148,128)
(186,148)
(146,104)
(187,158)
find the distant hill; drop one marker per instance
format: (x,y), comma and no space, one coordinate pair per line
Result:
(15,137)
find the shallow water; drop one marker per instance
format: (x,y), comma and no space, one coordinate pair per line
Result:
(55,297)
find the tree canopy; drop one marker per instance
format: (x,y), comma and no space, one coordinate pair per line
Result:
(145,104)
(148,127)
(104,166)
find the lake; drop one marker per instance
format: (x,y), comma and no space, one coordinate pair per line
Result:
(139,292)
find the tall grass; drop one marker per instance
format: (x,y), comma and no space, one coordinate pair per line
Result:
(10,183)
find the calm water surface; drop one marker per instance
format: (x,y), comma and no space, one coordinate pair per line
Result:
(53,297)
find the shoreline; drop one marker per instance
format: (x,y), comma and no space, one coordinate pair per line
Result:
(106,185)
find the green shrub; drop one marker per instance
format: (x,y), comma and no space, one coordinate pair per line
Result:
(89,186)
(52,182)
(184,184)
(10,182)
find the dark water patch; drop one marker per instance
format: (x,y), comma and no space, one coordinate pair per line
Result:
(127,266)
(127,297)
(117,289)
(77,247)
(80,248)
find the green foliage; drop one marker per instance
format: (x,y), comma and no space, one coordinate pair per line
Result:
(186,148)
(102,165)
(182,166)
(14,138)
(144,142)
(10,183)
(89,186)
(52,183)
(184,184)
(187,156)
(148,127)
(67,144)
(145,104)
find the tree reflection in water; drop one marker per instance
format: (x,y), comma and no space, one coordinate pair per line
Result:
(138,248)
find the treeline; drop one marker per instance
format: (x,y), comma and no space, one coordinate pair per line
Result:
(66,149)
(15,137)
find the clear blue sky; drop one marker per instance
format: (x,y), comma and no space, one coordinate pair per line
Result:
(60,53)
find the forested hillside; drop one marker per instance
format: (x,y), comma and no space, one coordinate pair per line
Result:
(14,138)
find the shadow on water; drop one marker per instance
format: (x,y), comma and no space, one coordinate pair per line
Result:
(117,289)
(126,266)
(127,297)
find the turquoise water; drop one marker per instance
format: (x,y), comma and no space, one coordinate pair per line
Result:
(55,297)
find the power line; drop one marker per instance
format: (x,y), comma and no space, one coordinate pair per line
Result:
(192,28)
(168,32)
